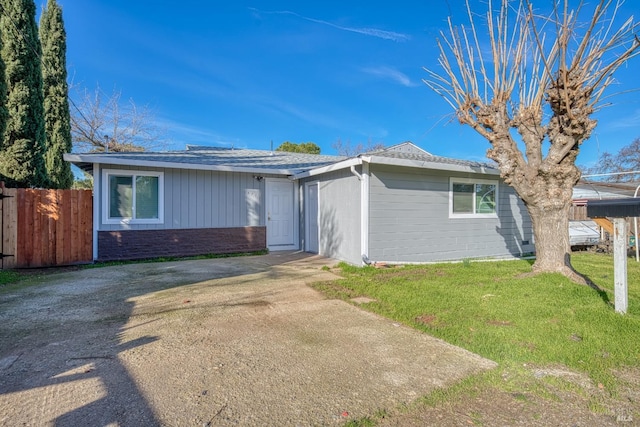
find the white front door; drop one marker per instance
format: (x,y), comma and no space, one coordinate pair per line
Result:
(311,218)
(280,201)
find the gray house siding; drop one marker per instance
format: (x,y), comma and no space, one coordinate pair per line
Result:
(339,215)
(204,212)
(207,211)
(200,199)
(409,219)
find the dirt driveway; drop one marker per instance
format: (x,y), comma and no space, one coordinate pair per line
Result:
(236,341)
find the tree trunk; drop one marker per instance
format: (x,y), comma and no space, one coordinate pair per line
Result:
(551,233)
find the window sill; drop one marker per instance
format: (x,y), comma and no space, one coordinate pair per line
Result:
(129,221)
(474,216)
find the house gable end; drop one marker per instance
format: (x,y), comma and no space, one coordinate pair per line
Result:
(407,147)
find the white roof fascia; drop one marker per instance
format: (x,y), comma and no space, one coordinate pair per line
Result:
(354,161)
(424,164)
(172,165)
(332,167)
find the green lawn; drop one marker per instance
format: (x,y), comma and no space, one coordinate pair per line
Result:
(496,310)
(8,277)
(493,309)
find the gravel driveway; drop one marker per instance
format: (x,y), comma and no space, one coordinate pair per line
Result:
(235,341)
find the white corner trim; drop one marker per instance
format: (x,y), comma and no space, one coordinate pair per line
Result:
(96,208)
(364,212)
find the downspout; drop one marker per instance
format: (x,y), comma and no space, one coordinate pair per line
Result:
(363,177)
(356,173)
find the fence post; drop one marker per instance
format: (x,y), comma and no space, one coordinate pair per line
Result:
(8,219)
(620,242)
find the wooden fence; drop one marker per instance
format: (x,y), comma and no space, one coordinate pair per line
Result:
(43,228)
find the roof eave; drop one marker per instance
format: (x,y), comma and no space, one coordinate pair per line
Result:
(84,160)
(80,159)
(424,164)
(329,168)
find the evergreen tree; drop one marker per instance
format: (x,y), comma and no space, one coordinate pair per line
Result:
(22,156)
(53,39)
(303,147)
(3,108)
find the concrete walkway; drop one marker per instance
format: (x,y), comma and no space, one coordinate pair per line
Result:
(236,341)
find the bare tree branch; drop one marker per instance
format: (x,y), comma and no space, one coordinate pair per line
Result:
(101,122)
(349,150)
(548,76)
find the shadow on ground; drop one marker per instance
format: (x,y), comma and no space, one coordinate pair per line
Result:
(238,341)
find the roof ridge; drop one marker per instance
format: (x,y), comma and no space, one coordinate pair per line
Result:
(193,147)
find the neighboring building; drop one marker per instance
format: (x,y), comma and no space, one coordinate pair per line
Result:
(586,190)
(584,231)
(398,205)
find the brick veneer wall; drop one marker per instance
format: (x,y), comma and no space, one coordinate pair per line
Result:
(141,244)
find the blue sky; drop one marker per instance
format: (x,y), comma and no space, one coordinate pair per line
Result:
(247,73)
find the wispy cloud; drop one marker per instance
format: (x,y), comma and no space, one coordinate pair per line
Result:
(344,123)
(373,32)
(632,120)
(190,134)
(391,74)
(309,116)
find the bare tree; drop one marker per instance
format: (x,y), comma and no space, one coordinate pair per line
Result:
(348,150)
(540,78)
(619,167)
(101,122)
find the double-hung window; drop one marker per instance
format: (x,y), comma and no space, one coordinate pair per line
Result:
(132,197)
(473,198)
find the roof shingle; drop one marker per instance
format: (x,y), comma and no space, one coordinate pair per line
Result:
(279,162)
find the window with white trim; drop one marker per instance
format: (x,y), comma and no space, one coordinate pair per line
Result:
(132,197)
(477,198)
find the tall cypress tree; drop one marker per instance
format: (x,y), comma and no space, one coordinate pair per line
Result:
(22,156)
(3,107)
(57,121)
